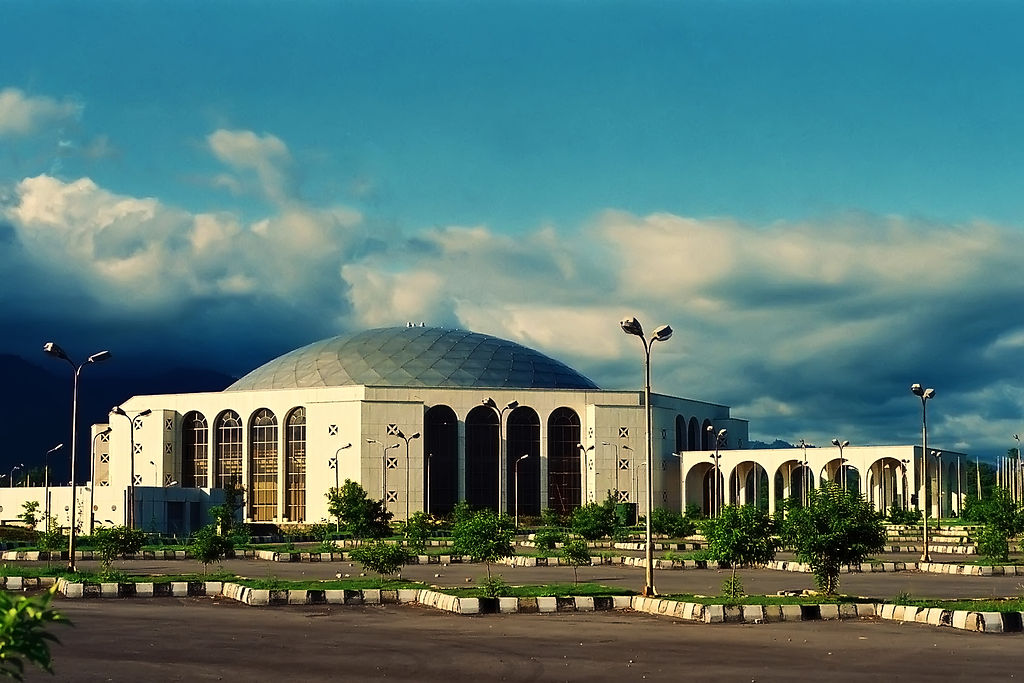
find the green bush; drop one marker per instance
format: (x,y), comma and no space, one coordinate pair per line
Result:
(485,536)
(1003,519)
(693,511)
(576,554)
(383,558)
(362,516)
(208,546)
(671,523)
(898,515)
(23,634)
(117,541)
(550,517)
(596,520)
(740,535)
(30,513)
(547,538)
(418,530)
(495,587)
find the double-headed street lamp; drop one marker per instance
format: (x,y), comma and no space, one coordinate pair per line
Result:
(585,466)
(57,352)
(132,419)
(806,474)
(16,467)
(516,468)
(1016,472)
(511,405)
(92,479)
(406,439)
(664,333)
(616,447)
(335,464)
(720,438)
(842,467)
(46,483)
(925,395)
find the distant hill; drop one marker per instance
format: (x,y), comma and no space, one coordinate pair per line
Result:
(36,402)
(778,443)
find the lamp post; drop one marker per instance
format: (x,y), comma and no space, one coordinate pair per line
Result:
(46,483)
(57,352)
(938,460)
(1016,470)
(511,405)
(383,469)
(720,438)
(903,485)
(130,509)
(636,486)
(156,475)
(427,492)
(16,467)
(632,326)
(842,467)
(92,479)
(806,473)
(516,468)
(335,464)
(406,439)
(616,447)
(585,465)
(925,395)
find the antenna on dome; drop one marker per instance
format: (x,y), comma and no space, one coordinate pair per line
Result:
(409,324)
(423,324)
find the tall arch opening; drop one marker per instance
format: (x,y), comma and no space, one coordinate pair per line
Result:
(441,450)
(693,435)
(195,447)
(263,466)
(680,434)
(228,453)
(523,439)
(565,486)
(482,434)
(295,466)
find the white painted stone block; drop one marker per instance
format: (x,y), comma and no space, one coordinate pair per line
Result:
(547,604)
(791,613)
(510,605)
(257,597)
(621,601)
(584,604)
(407,595)
(297,597)
(469,606)
(14,583)
(108,590)
(752,613)
(179,589)
(335,597)
(144,590)
(714,614)
(371,596)
(214,587)
(829,611)
(991,622)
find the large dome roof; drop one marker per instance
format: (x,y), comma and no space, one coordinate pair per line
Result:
(414,357)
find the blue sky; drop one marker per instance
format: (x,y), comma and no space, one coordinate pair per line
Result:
(812,193)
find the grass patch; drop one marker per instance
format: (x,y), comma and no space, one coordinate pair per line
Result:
(558,590)
(768,599)
(982,605)
(276,584)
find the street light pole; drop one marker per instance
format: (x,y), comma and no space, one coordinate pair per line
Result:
(16,467)
(719,440)
(938,460)
(46,483)
(616,447)
(335,464)
(806,474)
(585,466)
(632,326)
(1016,470)
(130,511)
(516,468)
(406,439)
(57,352)
(92,480)
(427,492)
(842,467)
(925,395)
(383,469)
(511,405)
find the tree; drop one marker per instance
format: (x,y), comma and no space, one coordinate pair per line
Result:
(740,535)
(114,542)
(596,520)
(418,530)
(835,528)
(208,546)
(362,516)
(671,523)
(1003,519)
(23,634)
(28,514)
(576,554)
(225,515)
(383,558)
(485,536)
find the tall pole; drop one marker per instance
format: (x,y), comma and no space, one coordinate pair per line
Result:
(54,350)
(401,435)
(46,483)
(959,490)
(335,464)
(427,492)
(663,333)
(977,472)
(92,480)
(938,460)
(516,468)
(130,508)
(806,474)
(511,405)
(924,395)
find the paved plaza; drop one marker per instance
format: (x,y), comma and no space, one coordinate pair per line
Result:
(218,640)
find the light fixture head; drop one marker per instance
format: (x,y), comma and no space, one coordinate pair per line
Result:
(105,431)
(512,405)
(145,412)
(709,428)
(916,390)
(627,447)
(489,402)
(118,410)
(55,448)
(632,326)
(54,350)
(929,393)
(414,436)
(845,444)
(835,442)
(663,333)
(524,457)
(348,445)
(98,357)
(722,433)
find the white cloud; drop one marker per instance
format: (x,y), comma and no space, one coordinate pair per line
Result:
(265,155)
(22,114)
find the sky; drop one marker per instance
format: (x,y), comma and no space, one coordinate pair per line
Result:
(824,199)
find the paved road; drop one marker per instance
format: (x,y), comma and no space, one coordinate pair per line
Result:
(207,640)
(700,581)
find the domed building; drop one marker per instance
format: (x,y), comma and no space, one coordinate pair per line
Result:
(421,417)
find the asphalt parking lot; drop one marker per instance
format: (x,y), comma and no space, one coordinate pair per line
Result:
(203,639)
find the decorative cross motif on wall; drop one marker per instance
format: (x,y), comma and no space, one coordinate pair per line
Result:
(168,448)
(104,483)
(138,448)
(138,479)
(332,462)
(167,479)
(138,423)
(169,424)
(104,457)
(332,430)
(392,463)
(623,464)
(392,496)
(105,437)
(623,496)
(590,432)
(393,430)
(664,496)
(623,432)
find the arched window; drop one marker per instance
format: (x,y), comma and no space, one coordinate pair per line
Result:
(680,434)
(707,436)
(295,466)
(565,486)
(263,466)
(195,447)
(228,461)
(693,437)
(441,450)
(524,439)
(482,457)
